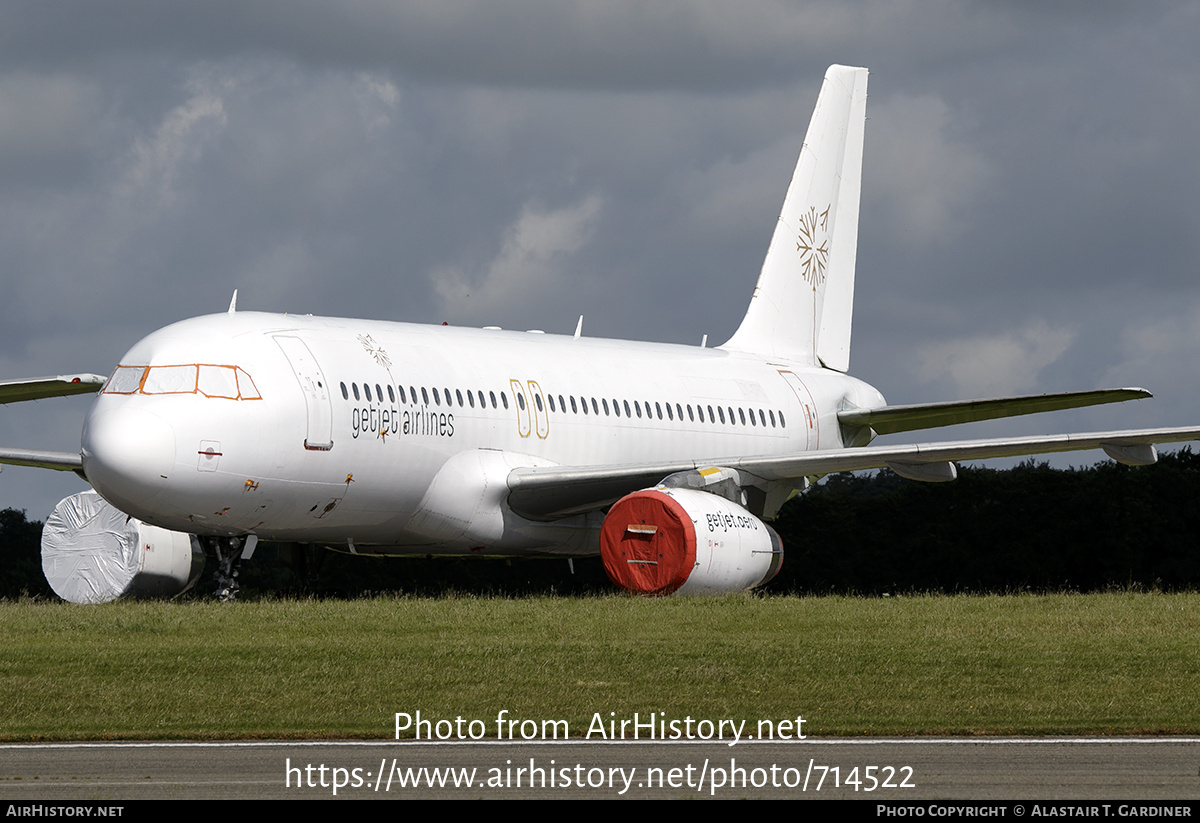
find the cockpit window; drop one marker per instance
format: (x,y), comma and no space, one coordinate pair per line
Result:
(125,380)
(169,380)
(228,382)
(217,381)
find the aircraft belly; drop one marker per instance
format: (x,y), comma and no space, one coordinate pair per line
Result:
(572,537)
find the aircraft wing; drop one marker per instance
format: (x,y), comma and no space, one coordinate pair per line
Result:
(545,493)
(14,391)
(37,388)
(61,461)
(892,419)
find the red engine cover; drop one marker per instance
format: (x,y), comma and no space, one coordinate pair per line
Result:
(648,543)
(686,541)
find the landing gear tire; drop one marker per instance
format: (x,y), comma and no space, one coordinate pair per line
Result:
(227,552)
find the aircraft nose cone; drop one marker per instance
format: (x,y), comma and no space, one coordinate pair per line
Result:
(128,455)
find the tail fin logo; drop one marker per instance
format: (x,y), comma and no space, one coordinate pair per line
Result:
(812,243)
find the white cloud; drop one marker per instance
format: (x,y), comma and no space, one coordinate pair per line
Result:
(378,99)
(996,364)
(178,141)
(530,262)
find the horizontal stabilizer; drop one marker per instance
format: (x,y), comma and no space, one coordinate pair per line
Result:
(892,419)
(14,391)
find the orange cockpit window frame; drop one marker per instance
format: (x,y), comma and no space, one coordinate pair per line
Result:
(236,384)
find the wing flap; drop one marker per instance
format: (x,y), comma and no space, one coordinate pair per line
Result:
(37,388)
(893,419)
(547,493)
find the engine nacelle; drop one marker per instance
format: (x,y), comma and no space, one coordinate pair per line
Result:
(93,553)
(683,541)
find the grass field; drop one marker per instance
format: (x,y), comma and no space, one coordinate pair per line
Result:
(1119,663)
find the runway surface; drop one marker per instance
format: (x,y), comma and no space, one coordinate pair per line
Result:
(1080,769)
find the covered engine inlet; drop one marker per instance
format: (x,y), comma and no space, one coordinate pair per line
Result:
(93,553)
(682,541)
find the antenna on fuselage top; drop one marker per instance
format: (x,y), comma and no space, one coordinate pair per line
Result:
(233,302)
(579,327)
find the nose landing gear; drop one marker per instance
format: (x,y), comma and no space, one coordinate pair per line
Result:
(228,553)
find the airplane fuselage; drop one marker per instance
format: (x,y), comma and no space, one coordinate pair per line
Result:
(399,438)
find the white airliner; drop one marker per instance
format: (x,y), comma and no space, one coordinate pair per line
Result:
(392,438)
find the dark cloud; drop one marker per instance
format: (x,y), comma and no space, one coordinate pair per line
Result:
(1029,212)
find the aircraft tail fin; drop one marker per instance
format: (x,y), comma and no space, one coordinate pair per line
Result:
(803,302)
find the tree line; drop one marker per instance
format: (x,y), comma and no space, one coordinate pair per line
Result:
(1031,527)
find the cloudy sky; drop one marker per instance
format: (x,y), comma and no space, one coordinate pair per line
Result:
(1031,187)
